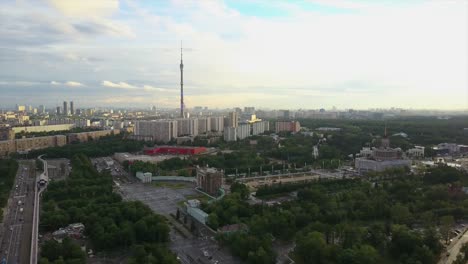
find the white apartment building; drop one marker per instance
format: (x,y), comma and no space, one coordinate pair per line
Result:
(217,123)
(187,127)
(204,125)
(159,130)
(260,127)
(230,134)
(243,131)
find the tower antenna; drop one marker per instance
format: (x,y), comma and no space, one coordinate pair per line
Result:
(181,82)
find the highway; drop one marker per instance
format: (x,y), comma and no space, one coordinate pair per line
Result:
(35,223)
(15,241)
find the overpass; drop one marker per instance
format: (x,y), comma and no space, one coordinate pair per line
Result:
(36,211)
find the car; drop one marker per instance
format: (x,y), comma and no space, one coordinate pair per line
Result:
(11,228)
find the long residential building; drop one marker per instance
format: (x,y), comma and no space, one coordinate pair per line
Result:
(8,147)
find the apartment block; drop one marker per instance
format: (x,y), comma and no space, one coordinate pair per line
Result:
(159,130)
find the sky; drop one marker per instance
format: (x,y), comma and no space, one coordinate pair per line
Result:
(301,54)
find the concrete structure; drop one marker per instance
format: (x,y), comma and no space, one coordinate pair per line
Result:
(287,126)
(91,135)
(209,180)
(144,177)
(160,130)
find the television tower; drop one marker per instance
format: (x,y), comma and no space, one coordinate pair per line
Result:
(181,83)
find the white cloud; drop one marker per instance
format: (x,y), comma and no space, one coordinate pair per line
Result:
(68,83)
(73,84)
(121,85)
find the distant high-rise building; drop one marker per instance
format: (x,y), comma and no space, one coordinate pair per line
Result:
(287,126)
(57,110)
(21,108)
(233,119)
(65,108)
(42,109)
(249,110)
(72,108)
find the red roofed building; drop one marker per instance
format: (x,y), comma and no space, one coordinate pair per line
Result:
(168,150)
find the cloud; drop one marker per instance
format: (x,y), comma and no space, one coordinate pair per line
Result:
(73,84)
(87,8)
(120,85)
(68,83)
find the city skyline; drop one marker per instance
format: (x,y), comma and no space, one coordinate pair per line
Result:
(269,54)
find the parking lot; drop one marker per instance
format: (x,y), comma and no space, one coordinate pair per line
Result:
(162,200)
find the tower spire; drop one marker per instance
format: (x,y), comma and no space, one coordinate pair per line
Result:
(181,82)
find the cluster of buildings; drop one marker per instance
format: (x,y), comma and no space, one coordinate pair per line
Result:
(381,158)
(166,130)
(11,145)
(450,149)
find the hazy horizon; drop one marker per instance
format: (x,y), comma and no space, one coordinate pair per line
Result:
(307,54)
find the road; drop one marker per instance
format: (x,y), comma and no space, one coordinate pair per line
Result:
(35,223)
(454,249)
(16,240)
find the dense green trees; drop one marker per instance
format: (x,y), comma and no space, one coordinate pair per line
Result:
(87,197)
(8,169)
(392,218)
(67,252)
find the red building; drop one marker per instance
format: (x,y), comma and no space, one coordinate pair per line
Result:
(175,150)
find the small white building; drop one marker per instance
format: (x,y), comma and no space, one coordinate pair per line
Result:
(416,152)
(144,177)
